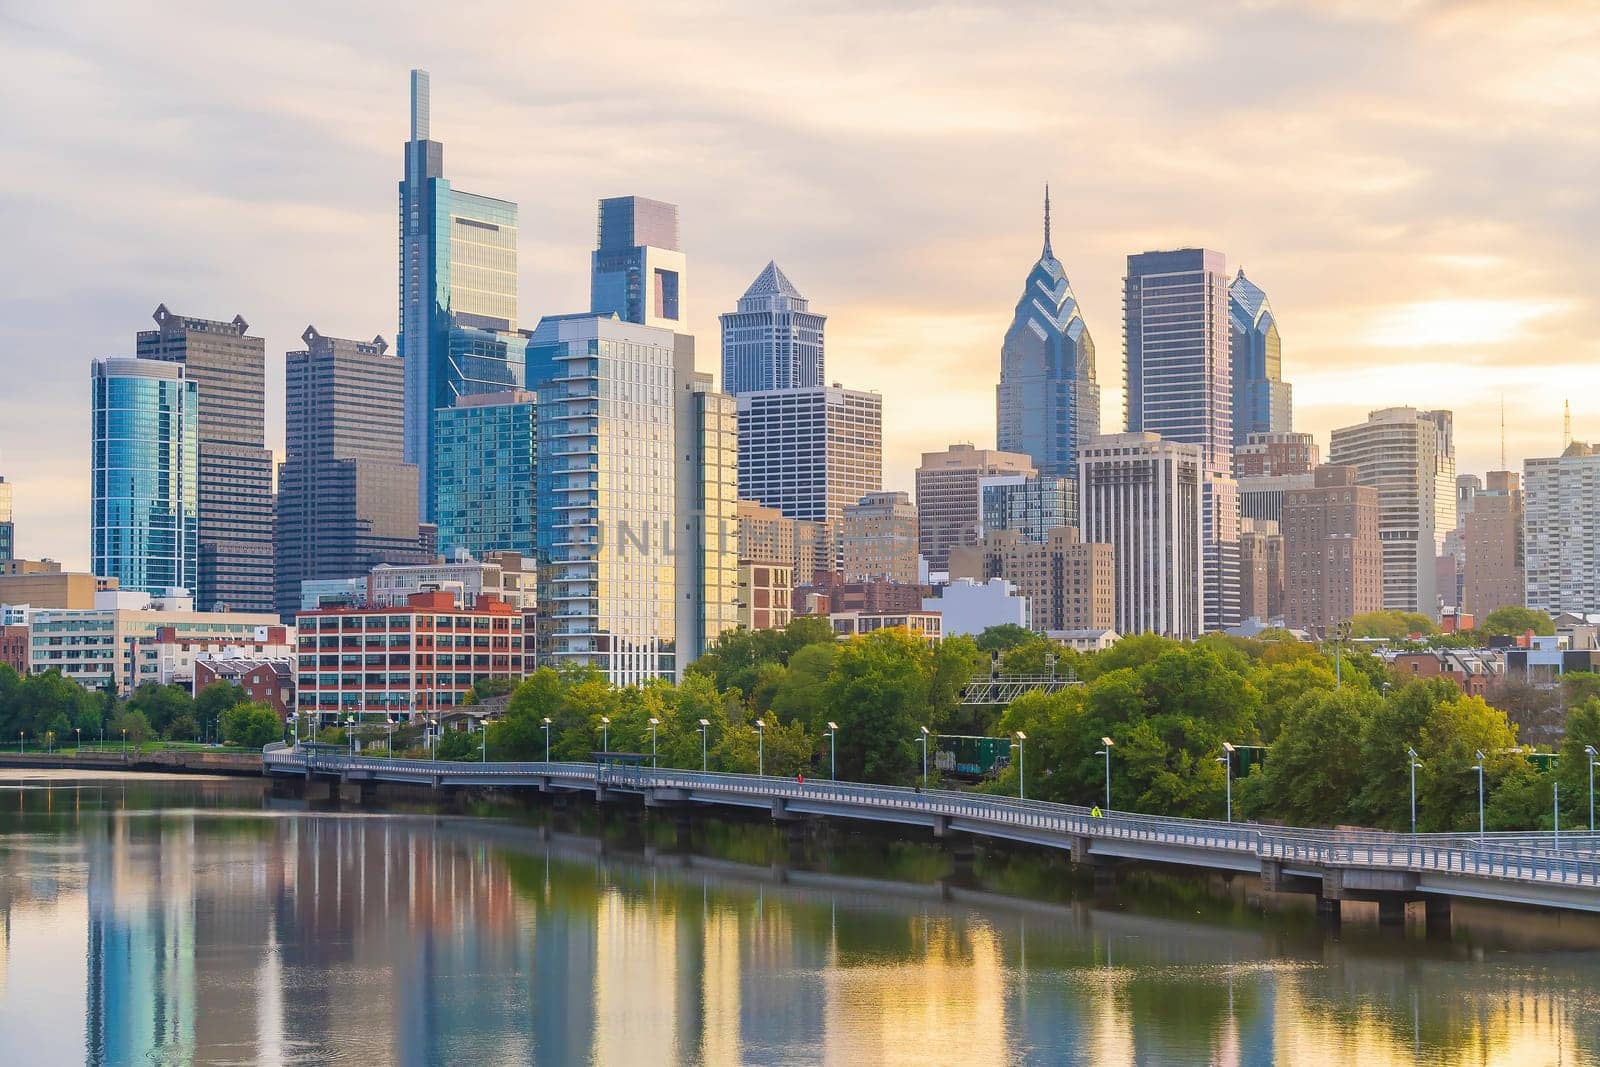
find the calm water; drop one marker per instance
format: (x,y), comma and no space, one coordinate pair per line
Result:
(194,922)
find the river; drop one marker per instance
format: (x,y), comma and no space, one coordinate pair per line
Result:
(148,920)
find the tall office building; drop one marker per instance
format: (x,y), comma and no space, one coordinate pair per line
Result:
(706,425)
(950,495)
(1332,555)
(1030,505)
(810,452)
(145,449)
(458,292)
(345,501)
(8,530)
(1180,385)
(1562,523)
(1070,584)
(607,495)
(773,340)
(1142,495)
(639,272)
(878,539)
(1048,402)
(234,571)
(1494,556)
(1262,400)
(485,492)
(1409,457)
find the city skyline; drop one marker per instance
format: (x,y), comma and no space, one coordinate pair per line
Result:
(258,182)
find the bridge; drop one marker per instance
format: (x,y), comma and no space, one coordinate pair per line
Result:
(1537,869)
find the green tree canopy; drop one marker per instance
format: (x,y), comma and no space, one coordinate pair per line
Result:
(1516,620)
(251,725)
(1394,625)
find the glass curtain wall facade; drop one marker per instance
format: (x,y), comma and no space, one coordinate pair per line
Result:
(1262,400)
(606,496)
(145,468)
(707,521)
(638,271)
(485,493)
(773,340)
(1048,402)
(458,291)
(8,532)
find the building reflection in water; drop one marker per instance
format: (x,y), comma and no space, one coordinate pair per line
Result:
(203,934)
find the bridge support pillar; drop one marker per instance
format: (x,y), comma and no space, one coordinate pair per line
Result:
(1437,912)
(1105,877)
(683,830)
(1391,910)
(1328,911)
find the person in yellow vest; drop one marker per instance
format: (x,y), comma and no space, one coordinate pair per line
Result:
(1095,812)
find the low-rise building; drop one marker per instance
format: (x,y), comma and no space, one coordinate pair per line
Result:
(14,647)
(169,655)
(971,607)
(924,624)
(41,583)
(830,592)
(413,659)
(265,681)
(764,595)
(1084,640)
(1469,671)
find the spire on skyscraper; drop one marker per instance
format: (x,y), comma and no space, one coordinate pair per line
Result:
(1047,253)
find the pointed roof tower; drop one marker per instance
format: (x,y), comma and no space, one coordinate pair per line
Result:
(1047,253)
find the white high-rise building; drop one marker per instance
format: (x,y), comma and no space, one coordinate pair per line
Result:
(1142,495)
(1561,516)
(1409,457)
(810,453)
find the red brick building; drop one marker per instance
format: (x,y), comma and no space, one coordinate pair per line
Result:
(14,647)
(264,681)
(413,660)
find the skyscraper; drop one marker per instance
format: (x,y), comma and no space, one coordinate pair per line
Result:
(1179,385)
(1409,457)
(1332,557)
(773,340)
(458,291)
(878,539)
(1562,520)
(486,491)
(1493,565)
(950,495)
(1141,495)
(1048,401)
(607,495)
(345,502)
(810,452)
(706,424)
(1262,400)
(638,271)
(145,448)
(8,531)
(234,571)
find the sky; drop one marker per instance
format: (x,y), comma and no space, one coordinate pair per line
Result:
(1412,183)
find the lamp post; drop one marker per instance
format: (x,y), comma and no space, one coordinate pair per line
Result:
(833,751)
(1106,752)
(654,722)
(1589,751)
(1226,759)
(1411,757)
(124,746)
(1557,784)
(350,731)
(922,738)
(761,748)
(545,726)
(1022,767)
(605,733)
(484,726)
(1480,796)
(705,724)
(79,731)
(22,736)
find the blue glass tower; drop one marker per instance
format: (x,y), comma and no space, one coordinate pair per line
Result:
(1262,400)
(146,473)
(1048,401)
(458,291)
(485,450)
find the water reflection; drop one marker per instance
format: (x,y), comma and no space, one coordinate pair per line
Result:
(188,922)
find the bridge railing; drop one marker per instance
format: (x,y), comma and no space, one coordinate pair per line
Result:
(1517,856)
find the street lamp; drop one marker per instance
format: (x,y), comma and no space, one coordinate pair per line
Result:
(923,740)
(761,748)
(22,736)
(1022,775)
(350,731)
(484,725)
(546,728)
(1557,784)
(1226,759)
(654,722)
(79,731)
(1591,753)
(833,751)
(1106,752)
(705,724)
(1411,756)
(605,733)
(124,746)
(1480,796)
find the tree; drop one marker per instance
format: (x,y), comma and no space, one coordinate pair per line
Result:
(1313,773)
(797,695)
(1394,625)
(161,704)
(213,700)
(1004,637)
(878,692)
(183,728)
(130,724)
(1514,620)
(251,725)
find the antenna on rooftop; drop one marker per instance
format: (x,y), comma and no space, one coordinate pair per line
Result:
(1566,424)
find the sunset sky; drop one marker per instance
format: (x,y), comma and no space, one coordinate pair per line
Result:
(1413,184)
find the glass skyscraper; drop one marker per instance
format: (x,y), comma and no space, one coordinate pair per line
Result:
(145,468)
(1048,402)
(1262,400)
(486,453)
(458,290)
(773,340)
(638,271)
(607,494)
(8,532)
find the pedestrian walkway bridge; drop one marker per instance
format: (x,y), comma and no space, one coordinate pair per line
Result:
(1523,868)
